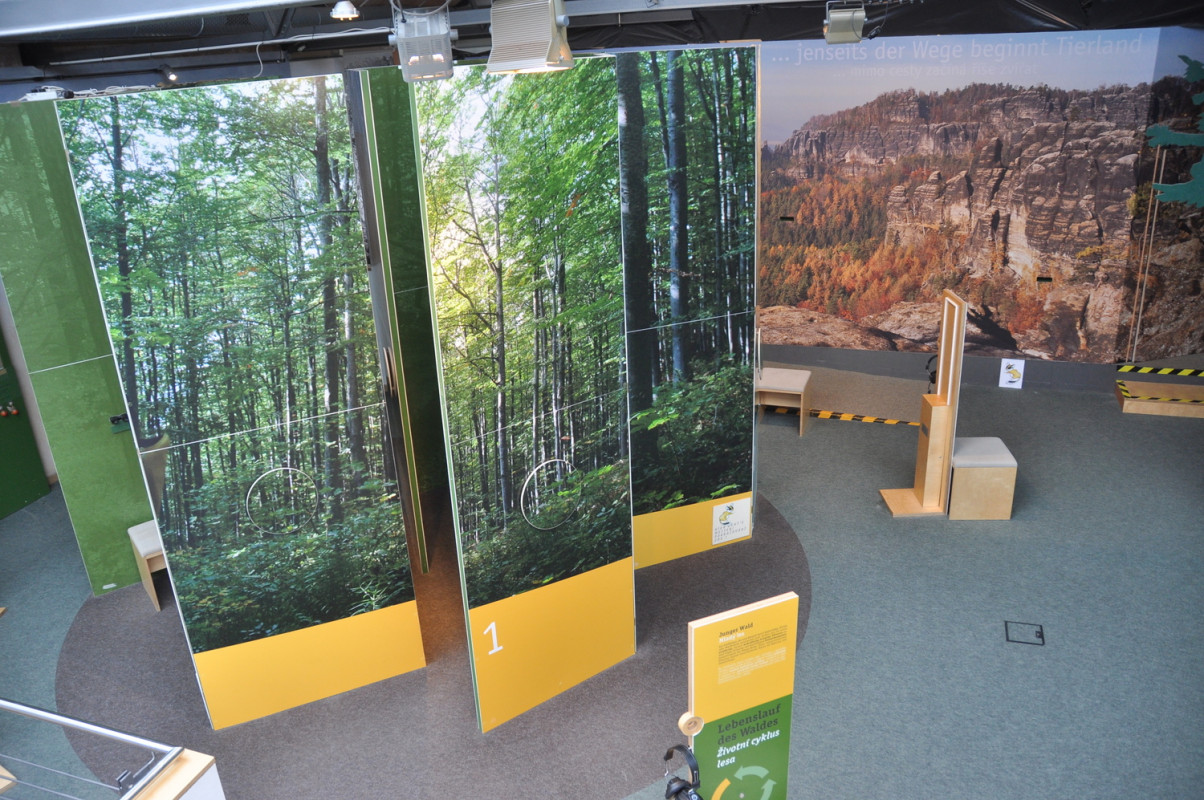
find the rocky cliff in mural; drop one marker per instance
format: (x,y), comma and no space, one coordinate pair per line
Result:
(1028,202)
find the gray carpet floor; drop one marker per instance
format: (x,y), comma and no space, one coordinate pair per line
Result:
(42,585)
(907,687)
(415,736)
(906,684)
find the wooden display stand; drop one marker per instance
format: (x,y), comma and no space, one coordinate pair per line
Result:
(786,388)
(938,421)
(932,466)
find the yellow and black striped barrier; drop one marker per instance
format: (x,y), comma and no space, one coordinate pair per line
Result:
(1124,390)
(1159,370)
(845,417)
(840,415)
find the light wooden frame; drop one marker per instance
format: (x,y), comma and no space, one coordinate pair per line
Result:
(938,422)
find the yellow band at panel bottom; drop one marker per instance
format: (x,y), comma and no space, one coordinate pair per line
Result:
(254,679)
(531,647)
(676,532)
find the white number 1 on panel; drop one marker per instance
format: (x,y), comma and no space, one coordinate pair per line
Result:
(491,629)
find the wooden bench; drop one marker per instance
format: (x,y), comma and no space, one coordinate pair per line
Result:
(148,552)
(787,388)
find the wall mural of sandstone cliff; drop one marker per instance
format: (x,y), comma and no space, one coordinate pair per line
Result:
(1011,169)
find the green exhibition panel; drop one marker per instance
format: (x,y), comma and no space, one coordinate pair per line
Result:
(224,225)
(57,314)
(688,150)
(385,126)
(523,210)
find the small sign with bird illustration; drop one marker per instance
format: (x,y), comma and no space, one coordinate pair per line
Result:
(1011,373)
(731,520)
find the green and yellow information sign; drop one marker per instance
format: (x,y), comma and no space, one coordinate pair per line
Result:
(741,693)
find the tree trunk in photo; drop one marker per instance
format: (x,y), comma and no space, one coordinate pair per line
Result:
(675,160)
(351,375)
(331,327)
(637,258)
(502,407)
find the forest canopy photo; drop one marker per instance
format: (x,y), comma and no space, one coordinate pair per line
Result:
(592,248)
(226,236)
(688,150)
(521,185)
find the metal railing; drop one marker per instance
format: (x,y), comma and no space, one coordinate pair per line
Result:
(128,783)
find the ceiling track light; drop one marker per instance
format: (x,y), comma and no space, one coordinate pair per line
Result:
(423,38)
(345,10)
(528,36)
(844,22)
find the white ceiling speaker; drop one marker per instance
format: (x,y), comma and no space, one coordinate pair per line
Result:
(528,36)
(423,38)
(844,22)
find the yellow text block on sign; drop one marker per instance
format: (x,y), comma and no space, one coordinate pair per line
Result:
(531,647)
(743,658)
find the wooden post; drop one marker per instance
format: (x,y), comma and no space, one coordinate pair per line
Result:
(938,422)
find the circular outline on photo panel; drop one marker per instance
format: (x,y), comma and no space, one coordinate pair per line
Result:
(251,516)
(522,495)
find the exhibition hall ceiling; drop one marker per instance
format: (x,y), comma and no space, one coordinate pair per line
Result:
(85,46)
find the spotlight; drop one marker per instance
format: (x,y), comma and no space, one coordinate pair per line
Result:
(423,40)
(345,10)
(169,75)
(844,22)
(528,36)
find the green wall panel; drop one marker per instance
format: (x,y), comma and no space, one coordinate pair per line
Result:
(98,469)
(46,267)
(56,310)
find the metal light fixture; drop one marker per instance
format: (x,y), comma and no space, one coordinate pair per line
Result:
(345,10)
(528,36)
(844,22)
(423,38)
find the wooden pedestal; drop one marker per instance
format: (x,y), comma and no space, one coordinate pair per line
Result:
(984,479)
(191,776)
(928,494)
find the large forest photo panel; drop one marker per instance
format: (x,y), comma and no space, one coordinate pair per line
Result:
(521,178)
(226,238)
(1013,170)
(688,159)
